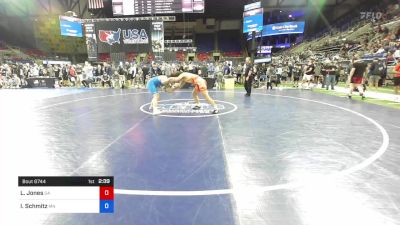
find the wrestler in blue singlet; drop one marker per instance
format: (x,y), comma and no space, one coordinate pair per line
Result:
(153,84)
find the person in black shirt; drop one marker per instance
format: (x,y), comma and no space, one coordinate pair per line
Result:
(339,71)
(145,71)
(356,76)
(65,74)
(106,79)
(296,75)
(57,72)
(98,72)
(248,75)
(374,74)
(106,74)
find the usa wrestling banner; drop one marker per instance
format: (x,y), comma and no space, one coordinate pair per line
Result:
(123,36)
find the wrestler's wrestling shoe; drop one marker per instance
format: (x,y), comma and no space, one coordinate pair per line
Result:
(197,107)
(215,111)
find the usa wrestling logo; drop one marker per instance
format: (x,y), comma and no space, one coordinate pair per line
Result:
(186,108)
(110,37)
(129,36)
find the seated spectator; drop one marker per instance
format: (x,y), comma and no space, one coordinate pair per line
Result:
(105,79)
(98,72)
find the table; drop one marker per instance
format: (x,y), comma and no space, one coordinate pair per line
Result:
(41,82)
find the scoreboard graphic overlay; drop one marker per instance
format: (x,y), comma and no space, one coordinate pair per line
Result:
(149,7)
(66,194)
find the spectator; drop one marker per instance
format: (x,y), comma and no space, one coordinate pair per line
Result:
(318,76)
(122,75)
(279,71)
(330,71)
(272,77)
(227,69)
(374,74)
(35,70)
(106,79)
(145,73)
(72,75)
(57,72)
(396,78)
(65,77)
(50,71)
(99,71)
(79,75)
(239,70)
(88,75)
(296,75)
(309,73)
(41,73)
(285,73)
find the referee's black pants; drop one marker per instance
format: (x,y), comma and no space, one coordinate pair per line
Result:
(248,85)
(144,76)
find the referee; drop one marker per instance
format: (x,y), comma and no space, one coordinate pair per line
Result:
(248,75)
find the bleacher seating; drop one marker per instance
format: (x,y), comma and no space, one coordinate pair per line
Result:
(229,41)
(205,42)
(357,34)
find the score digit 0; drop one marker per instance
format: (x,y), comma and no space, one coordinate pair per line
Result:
(107,193)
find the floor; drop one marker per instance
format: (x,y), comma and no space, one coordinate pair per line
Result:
(289,157)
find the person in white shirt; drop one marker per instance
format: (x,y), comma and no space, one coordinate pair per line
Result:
(131,74)
(87,75)
(279,72)
(35,70)
(397,53)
